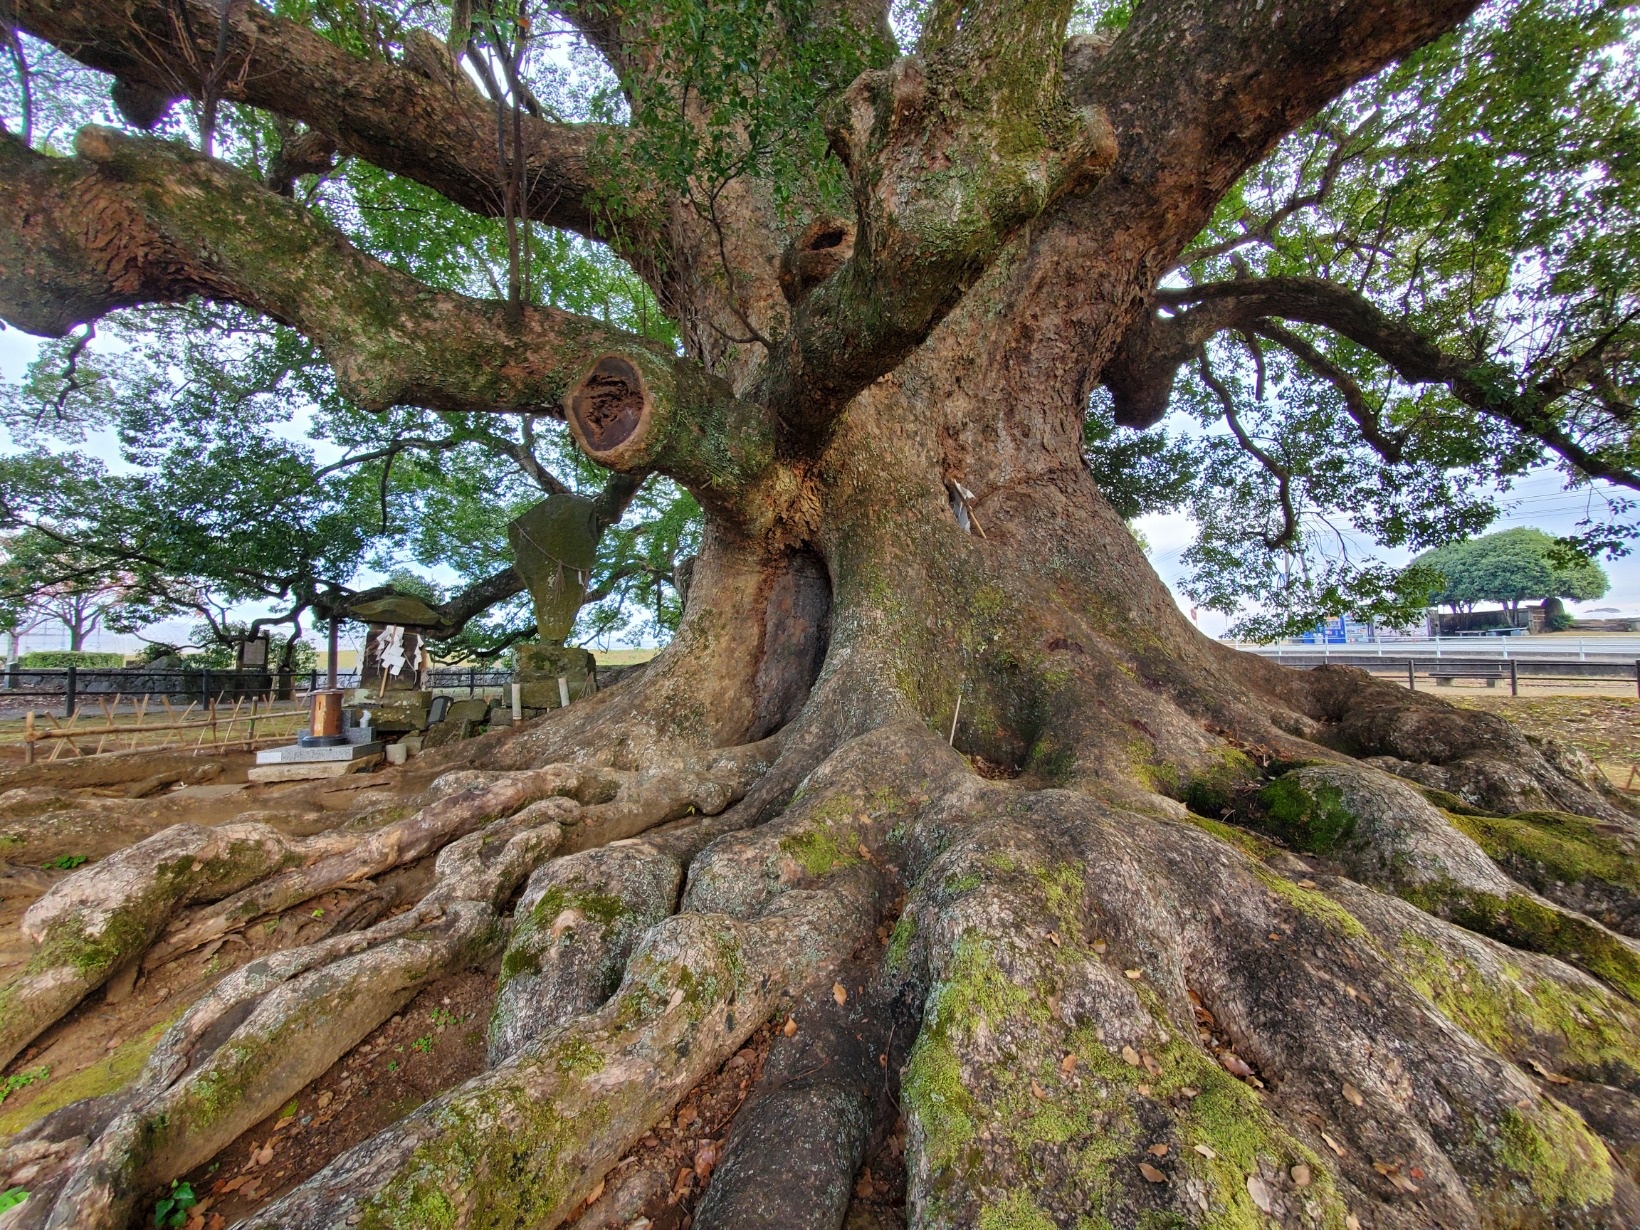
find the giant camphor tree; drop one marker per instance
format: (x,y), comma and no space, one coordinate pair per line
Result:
(906,280)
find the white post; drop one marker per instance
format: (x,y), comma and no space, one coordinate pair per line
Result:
(518,704)
(563,692)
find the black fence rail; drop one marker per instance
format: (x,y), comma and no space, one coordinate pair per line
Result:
(71,686)
(1491,670)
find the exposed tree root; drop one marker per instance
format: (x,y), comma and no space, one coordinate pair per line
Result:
(1478,757)
(275,1024)
(1383,833)
(575,926)
(790,1161)
(126,908)
(1109,1006)
(524,1143)
(1059,1053)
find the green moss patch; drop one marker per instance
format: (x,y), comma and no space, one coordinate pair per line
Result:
(107,1075)
(1213,790)
(1555,1152)
(1314,820)
(1526,922)
(1542,846)
(1498,1012)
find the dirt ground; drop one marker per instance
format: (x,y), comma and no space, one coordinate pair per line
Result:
(435,1043)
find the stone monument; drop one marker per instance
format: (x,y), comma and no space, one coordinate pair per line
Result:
(393,675)
(555,544)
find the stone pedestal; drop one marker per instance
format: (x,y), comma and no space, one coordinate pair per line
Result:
(541,667)
(396,712)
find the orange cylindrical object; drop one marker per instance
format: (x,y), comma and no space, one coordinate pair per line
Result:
(327,715)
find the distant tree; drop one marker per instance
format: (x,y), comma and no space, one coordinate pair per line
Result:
(44,580)
(1511,567)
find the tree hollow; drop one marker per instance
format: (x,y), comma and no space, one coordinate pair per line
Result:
(608,407)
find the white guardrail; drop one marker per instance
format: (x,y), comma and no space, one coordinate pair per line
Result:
(1564,648)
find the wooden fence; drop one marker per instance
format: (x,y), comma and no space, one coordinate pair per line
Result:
(200,725)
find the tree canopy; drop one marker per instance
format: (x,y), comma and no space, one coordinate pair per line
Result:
(1511,567)
(1422,294)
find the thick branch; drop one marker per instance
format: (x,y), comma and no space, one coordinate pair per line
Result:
(1483,387)
(984,95)
(135,220)
(422,119)
(1256,71)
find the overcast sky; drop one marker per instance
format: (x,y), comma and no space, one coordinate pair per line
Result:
(1539,501)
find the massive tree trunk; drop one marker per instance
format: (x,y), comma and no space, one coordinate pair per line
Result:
(1145,931)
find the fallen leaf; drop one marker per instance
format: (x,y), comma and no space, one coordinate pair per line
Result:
(597,1190)
(1351,1222)
(1158,1150)
(790,1027)
(1260,1192)
(1205,1152)
(1274,935)
(1333,1144)
(265,1156)
(1151,1066)
(1234,1064)
(1144,1091)
(706,1157)
(1306,884)
(1053,1006)
(1053,938)
(324,1099)
(1190,1091)
(1134,973)
(1417,1172)
(1301,1175)
(1152,1175)
(1554,1078)
(1038,1092)
(1099,947)
(677,998)
(864,852)
(1352,1095)
(1067,1065)
(840,993)
(1131,1055)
